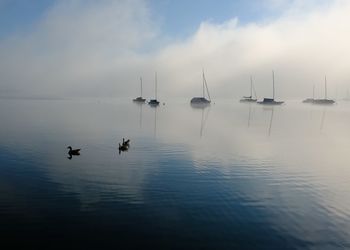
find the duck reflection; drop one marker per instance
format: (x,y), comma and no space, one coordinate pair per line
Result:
(72,152)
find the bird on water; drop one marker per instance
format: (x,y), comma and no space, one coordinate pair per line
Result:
(72,152)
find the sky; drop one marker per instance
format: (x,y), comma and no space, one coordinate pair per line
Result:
(91,48)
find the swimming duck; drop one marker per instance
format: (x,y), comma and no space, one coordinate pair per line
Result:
(73,151)
(123,147)
(126,142)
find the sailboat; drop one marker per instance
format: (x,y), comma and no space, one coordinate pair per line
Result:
(250,98)
(271,101)
(140,99)
(202,100)
(324,101)
(310,100)
(154,102)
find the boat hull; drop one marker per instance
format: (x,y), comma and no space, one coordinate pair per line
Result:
(323,102)
(308,100)
(153,102)
(248,100)
(139,100)
(199,100)
(269,101)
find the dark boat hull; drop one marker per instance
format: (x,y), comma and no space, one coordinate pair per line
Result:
(153,102)
(323,101)
(199,100)
(139,99)
(270,101)
(308,100)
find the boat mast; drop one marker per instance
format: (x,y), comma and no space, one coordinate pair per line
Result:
(273,85)
(255,96)
(325,87)
(313,92)
(141,85)
(156,84)
(251,87)
(206,86)
(203,83)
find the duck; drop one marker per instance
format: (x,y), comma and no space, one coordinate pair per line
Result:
(123,147)
(73,151)
(126,142)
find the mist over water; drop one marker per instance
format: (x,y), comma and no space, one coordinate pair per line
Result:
(230,175)
(101,48)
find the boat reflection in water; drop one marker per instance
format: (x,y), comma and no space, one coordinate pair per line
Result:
(180,190)
(205,114)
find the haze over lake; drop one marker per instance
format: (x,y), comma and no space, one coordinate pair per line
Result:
(265,165)
(228,176)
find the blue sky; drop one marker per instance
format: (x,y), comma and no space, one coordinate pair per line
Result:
(177,18)
(181,18)
(19,15)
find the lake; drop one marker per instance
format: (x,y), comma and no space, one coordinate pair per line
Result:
(229,176)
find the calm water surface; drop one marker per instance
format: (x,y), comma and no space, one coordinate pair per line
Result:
(231,176)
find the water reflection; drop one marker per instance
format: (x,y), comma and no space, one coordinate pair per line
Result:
(199,105)
(140,105)
(289,191)
(271,110)
(155,122)
(249,113)
(323,119)
(205,108)
(271,119)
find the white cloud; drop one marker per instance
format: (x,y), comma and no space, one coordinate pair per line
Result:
(97,48)
(300,47)
(76,47)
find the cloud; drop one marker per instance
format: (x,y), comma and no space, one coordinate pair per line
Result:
(75,48)
(100,48)
(301,48)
